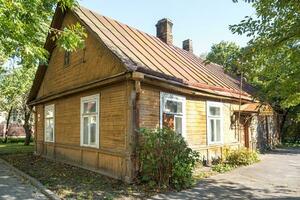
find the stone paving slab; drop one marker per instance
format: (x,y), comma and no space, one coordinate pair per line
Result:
(277,176)
(13,187)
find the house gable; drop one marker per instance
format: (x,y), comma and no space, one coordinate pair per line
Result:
(93,62)
(128,49)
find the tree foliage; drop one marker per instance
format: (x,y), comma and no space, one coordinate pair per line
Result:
(225,54)
(14,89)
(24,26)
(271,60)
(272,57)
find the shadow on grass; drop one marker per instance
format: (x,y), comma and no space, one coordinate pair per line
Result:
(71,182)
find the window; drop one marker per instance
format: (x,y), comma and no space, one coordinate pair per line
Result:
(214,123)
(172,113)
(89,134)
(67,57)
(49,123)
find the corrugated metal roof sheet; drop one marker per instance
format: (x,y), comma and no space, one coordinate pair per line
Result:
(146,51)
(260,108)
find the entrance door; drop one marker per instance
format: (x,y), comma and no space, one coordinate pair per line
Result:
(246,134)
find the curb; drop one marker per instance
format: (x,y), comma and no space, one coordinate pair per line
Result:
(48,193)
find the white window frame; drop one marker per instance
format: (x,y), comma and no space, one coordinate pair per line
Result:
(49,107)
(208,117)
(168,96)
(83,100)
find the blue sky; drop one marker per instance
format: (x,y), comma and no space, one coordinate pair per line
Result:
(204,21)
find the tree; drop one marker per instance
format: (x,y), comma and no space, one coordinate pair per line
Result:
(272,56)
(24,26)
(225,54)
(14,89)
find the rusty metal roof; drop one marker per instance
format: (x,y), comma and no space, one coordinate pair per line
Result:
(142,52)
(145,51)
(259,108)
(250,107)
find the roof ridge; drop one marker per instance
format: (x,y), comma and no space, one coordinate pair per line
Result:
(173,61)
(121,23)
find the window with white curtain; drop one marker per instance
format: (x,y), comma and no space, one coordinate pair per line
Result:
(49,123)
(89,134)
(214,122)
(173,112)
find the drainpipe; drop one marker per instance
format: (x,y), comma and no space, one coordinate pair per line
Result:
(239,114)
(137,77)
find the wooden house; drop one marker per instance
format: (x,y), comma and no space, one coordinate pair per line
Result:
(90,103)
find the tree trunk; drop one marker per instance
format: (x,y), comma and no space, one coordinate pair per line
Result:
(7,124)
(27,126)
(282,123)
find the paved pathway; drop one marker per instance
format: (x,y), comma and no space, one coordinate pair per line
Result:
(12,187)
(277,176)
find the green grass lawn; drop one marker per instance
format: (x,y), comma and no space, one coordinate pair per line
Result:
(67,181)
(70,182)
(15,148)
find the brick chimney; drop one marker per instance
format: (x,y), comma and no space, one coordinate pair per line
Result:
(188,45)
(164,30)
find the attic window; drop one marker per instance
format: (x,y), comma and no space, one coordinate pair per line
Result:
(67,58)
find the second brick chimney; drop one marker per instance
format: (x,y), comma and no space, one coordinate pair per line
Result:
(164,30)
(188,45)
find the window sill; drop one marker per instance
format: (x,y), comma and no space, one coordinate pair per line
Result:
(49,141)
(90,146)
(216,144)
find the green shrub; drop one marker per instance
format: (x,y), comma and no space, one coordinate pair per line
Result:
(241,157)
(292,144)
(222,167)
(234,158)
(166,160)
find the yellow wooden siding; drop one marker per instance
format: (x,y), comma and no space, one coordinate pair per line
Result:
(196,121)
(230,130)
(113,129)
(39,123)
(113,117)
(149,107)
(92,63)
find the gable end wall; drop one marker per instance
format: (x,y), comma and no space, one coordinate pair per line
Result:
(94,62)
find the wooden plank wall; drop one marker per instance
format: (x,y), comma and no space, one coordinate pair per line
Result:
(113,155)
(195,121)
(92,63)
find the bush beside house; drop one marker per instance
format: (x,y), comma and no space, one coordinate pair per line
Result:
(234,158)
(166,160)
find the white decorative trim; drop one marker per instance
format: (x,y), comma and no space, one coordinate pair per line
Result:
(208,136)
(46,108)
(168,96)
(83,100)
